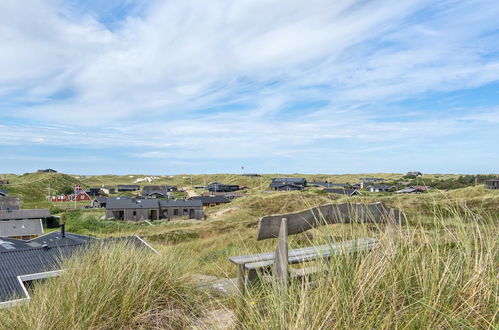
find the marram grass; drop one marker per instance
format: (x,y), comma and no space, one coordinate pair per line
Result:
(443,278)
(117,287)
(438,271)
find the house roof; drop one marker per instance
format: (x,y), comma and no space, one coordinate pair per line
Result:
(24,214)
(289,180)
(21,228)
(131,203)
(43,254)
(409,190)
(380,186)
(100,199)
(221,184)
(211,199)
(284,185)
(154,192)
(135,186)
(346,192)
(3,193)
(157,188)
(327,184)
(226,194)
(180,203)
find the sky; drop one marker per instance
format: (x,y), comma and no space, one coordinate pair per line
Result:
(274,86)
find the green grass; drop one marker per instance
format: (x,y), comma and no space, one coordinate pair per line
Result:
(114,287)
(439,270)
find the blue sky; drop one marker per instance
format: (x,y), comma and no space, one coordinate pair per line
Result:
(192,86)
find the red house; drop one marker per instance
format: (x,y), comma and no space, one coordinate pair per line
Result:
(80,196)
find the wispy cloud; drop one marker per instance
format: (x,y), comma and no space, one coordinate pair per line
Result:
(273,77)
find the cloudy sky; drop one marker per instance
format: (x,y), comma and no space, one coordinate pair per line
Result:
(196,86)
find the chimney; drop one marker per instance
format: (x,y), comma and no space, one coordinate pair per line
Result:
(63,230)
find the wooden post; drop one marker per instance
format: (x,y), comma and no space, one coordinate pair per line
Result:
(241,280)
(281,255)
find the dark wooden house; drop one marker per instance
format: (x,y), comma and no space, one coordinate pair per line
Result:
(128,187)
(288,184)
(220,187)
(134,209)
(48,170)
(210,201)
(492,184)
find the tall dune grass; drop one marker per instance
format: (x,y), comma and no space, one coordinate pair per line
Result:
(116,287)
(417,278)
(435,272)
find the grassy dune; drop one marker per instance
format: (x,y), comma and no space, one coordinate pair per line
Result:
(111,288)
(439,270)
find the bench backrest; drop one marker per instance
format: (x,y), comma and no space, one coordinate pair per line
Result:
(269,226)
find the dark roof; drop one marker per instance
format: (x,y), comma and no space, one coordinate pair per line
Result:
(380,186)
(211,199)
(372,179)
(286,186)
(492,180)
(24,214)
(180,203)
(289,180)
(131,203)
(101,199)
(48,170)
(219,184)
(42,254)
(346,192)
(130,186)
(21,228)
(158,188)
(154,192)
(327,184)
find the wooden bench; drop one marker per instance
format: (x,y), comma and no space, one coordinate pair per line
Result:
(280,226)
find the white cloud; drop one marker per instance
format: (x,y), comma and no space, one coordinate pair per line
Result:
(196,75)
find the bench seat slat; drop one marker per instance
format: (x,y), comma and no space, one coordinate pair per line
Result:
(321,252)
(252,258)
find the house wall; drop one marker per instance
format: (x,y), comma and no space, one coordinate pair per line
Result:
(9,203)
(137,214)
(185,211)
(493,184)
(140,214)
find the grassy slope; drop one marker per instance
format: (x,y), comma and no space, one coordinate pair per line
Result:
(443,273)
(32,188)
(438,271)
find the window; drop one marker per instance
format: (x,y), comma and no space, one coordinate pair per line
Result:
(185,212)
(175,212)
(134,213)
